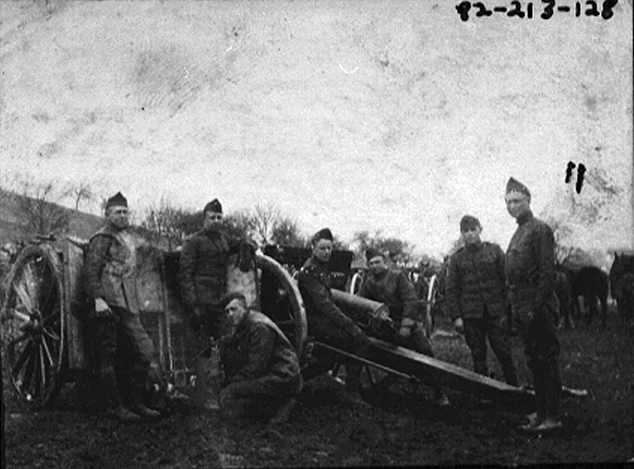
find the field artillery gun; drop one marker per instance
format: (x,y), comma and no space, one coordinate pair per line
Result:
(47,341)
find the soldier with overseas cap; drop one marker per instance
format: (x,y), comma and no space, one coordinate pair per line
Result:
(111,283)
(261,369)
(393,288)
(476,299)
(326,321)
(530,274)
(202,274)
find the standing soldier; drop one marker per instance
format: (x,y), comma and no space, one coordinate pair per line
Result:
(530,274)
(326,322)
(111,272)
(203,269)
(393,288)
(476,298)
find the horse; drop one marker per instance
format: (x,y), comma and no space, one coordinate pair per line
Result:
(622,281)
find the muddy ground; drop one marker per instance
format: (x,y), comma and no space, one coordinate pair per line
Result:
(403,428)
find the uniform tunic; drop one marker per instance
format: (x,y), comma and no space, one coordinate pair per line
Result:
(476,293)
(394,289)
(530,273)
(260,365)
(111,275)
(325,320)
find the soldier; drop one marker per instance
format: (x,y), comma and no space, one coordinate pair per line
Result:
(393,288)
(326,322)
(476,298)
(111,277)
(203,268)
(262,373)
(530,274)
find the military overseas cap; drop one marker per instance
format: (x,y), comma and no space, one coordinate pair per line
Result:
(469,222)
(117,200)
(515,186)
(324,233)
(371,253)
(213,206)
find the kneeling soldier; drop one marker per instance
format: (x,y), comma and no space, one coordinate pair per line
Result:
(262,374)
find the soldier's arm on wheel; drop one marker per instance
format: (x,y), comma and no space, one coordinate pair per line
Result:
(544,251)
(247,255)
(262,345)
(95,262)
(185,276)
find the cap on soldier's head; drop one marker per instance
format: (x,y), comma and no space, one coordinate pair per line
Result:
(117,200)
(324,233)
(213,206)
(513,185)
(371,253)
(469,222)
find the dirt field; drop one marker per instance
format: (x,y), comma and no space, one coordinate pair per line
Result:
(404,428)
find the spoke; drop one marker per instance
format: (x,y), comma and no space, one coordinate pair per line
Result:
(49,356)
(24,317)
(32,283)
(28,371)
(19,339)
(23,296)
(43,368)
(52,334)
(23,357)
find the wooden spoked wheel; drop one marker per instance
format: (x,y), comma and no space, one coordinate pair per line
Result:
(282,302)
(33,325)
(432,297)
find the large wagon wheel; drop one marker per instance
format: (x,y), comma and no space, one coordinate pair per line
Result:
(285,304)
(33,325)
(432,297)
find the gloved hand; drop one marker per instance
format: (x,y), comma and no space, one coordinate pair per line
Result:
(406,327)
(459,325)
(360,336)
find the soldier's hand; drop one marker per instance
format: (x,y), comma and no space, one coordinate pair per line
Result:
(459,325)
(360,336)
(102,310)
(405,331)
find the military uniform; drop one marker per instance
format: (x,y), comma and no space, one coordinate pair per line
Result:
(393,288)
(530,273)
(261,368)
(476,292)
(111,275)
(326,322)
(202,274)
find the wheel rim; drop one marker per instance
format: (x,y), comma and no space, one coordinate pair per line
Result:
(32,326)
(432,294)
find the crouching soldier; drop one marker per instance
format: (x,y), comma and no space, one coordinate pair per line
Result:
(111,277)
(261,368)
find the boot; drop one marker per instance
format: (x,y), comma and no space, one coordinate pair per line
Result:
(136,397)
(122,414)
(284,412)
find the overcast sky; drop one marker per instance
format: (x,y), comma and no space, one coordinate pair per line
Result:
(391,116)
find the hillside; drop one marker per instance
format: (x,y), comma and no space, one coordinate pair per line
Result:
(12,219)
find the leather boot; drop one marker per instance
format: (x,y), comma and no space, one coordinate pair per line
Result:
(136,398)
(122,414)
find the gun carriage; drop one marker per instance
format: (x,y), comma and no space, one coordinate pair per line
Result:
(47,341)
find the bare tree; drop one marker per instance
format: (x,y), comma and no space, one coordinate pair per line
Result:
(265,220)
(286,232)
(397,250)
(80,193)
(40,213)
